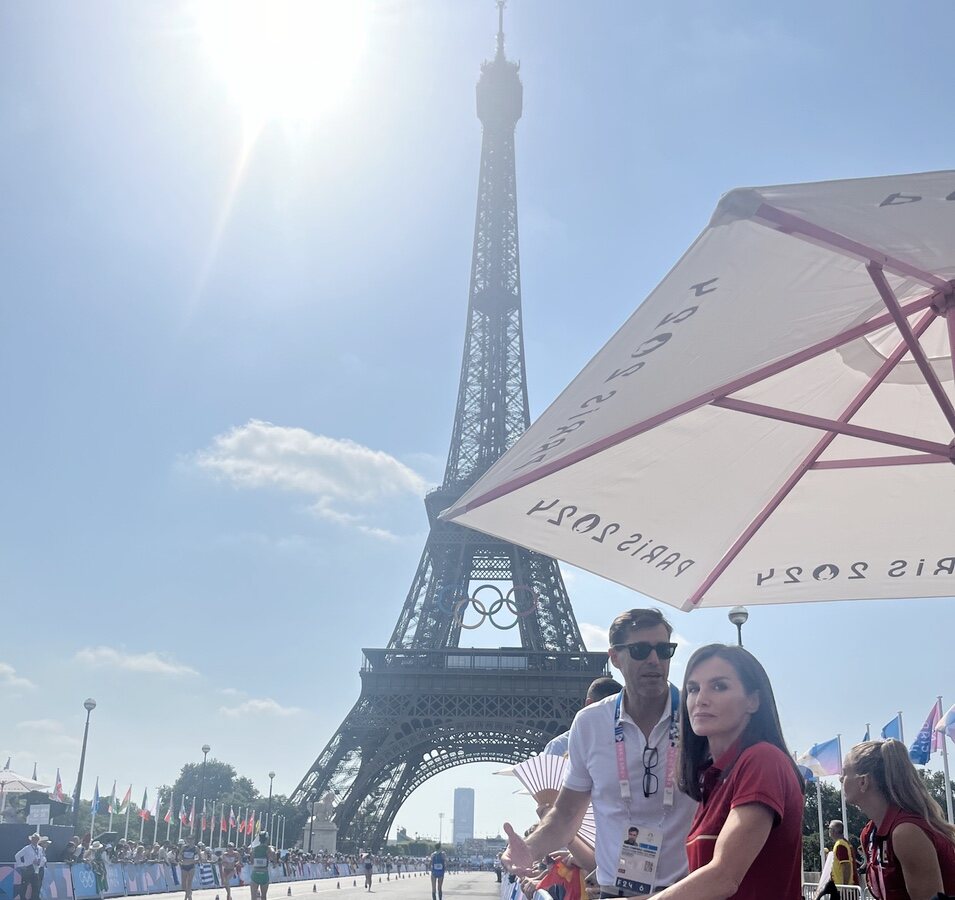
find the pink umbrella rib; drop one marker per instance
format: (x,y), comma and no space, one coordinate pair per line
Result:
(880,375)
(731,387)
(838,426)
(816,234)
(915,348)
(862,462)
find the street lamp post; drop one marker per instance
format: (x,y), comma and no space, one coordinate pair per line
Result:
(738,616)
(89,705)
(202,792)
(268,817)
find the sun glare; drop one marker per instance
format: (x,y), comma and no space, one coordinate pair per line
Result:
(285,60)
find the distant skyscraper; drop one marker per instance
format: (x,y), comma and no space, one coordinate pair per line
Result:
(463,815)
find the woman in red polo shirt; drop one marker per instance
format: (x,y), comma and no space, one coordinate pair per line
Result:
(745,842)
(909,847)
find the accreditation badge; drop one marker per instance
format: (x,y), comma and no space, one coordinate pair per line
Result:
(639,852)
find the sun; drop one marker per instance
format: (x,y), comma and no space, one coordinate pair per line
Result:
(283,60)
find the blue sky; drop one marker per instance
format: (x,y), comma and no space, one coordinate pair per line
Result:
(229,366)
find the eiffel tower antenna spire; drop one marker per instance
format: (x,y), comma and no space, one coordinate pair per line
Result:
(427,703)
(500,27)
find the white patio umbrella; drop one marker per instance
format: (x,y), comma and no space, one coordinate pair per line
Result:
(775,421)
(12,783)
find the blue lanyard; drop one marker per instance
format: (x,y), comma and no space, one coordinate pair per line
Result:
(623,776)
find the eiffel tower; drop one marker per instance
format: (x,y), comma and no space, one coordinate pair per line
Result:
(427,704)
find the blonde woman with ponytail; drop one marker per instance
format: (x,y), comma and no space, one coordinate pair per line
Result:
(909,847)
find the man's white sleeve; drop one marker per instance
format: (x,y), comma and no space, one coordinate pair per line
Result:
(577,777)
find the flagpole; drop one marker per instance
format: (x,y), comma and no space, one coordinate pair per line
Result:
(228,837)
(948,783)
(112,803)
(901,730)
(93,806)
(179,835)
(842,791)
(169,823)
(142,821)
(126,831)
(822,846)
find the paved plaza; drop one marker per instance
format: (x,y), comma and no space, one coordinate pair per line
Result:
(415,886)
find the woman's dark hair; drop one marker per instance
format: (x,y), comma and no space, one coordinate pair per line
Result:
(762,726)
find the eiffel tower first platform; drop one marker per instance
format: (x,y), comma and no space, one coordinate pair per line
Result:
(427,703)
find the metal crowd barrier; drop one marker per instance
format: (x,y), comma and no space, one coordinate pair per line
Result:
(78,881)
(846,891)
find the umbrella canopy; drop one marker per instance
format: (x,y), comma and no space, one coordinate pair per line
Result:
(12,783)
(775,421)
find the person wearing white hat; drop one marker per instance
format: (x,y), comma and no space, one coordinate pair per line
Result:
(28,863)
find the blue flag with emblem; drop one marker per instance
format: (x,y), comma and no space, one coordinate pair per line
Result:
(893,729)
(925,741)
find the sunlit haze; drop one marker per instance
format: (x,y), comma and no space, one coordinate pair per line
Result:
(284,60)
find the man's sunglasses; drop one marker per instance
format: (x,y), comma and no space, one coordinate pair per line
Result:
(642,649)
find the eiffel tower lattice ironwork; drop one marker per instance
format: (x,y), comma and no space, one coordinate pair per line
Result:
(426,703)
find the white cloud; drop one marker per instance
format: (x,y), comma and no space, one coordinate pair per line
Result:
(331,471)
(10,679)
(47,726)
(263,707)
(595,636)
(150,663)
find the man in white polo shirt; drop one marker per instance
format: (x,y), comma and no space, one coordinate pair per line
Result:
(623,756)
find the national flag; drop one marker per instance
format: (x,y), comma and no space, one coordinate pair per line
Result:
(946,725)
(111,806)
(168,817)
(58,787)
(240,828)
(866,737)
(893,729)
(192,814)
(232,811)
(183,816)
(202,826)
(806,773)
(144,807)
(926,740)
(94,806)
(126,798)
(823,759)
(154,812)
(258,824)
(250,825)
(222,823)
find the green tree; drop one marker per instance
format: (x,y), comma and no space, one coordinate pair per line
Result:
(831,809)
(219,783)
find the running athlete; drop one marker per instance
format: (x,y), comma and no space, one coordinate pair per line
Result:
(262,855)
(369,865)
(230,864)
(437,873)
(188,857)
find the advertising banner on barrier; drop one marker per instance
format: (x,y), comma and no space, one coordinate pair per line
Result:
(84,882)
(57,882)
(157,876)
(115,882)
(6,882)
